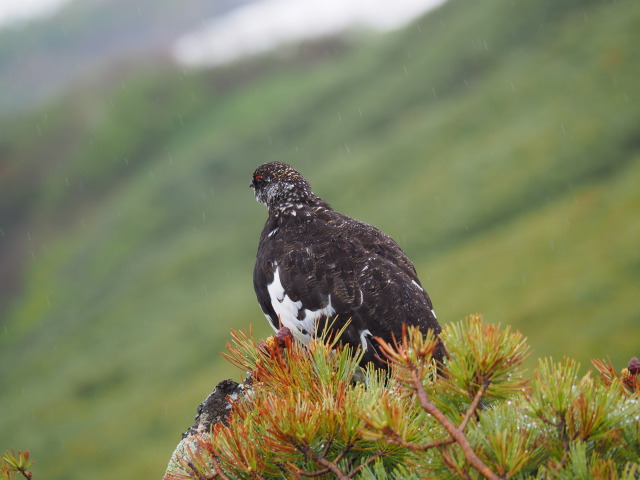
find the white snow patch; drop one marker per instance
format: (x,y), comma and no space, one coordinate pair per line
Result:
(24,10)
(262,26)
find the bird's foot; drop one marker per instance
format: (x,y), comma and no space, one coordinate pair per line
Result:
(280,341)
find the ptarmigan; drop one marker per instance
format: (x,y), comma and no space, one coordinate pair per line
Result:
(316,266)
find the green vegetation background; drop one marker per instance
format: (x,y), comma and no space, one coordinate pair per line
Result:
(498,142)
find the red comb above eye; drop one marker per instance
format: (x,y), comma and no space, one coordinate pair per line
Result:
(258,177)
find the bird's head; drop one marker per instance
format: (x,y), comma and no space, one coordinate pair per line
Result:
(281,188)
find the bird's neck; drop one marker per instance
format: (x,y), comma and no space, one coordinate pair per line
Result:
(297,207)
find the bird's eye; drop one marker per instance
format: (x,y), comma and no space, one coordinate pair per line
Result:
(259,180)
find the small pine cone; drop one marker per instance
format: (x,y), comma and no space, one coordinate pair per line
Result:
(630,380)
(634,366)
(281,340)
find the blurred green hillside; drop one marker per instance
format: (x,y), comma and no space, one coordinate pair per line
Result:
(498,142)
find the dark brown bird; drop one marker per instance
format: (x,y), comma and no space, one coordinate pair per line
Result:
(315,265)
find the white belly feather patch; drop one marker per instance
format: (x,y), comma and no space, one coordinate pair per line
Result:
(288,311)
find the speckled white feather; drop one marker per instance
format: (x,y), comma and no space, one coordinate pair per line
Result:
(288,311)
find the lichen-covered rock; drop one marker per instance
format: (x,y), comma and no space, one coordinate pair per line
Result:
(189,453)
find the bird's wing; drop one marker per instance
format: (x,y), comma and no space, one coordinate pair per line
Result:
(344,268)
(305,275)
(392,291)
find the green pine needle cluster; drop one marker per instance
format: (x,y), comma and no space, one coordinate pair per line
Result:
(14,465)
(314,413)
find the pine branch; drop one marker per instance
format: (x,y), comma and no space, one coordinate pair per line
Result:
(217,468)
(628,376)
(412,357)
(299,472)
(18,463)
(455,433)
(396,438)
(332,467)
(321,460)
(566,447)
(474,404)
(369,461)
(304,397)
(198,475)
(450,464)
